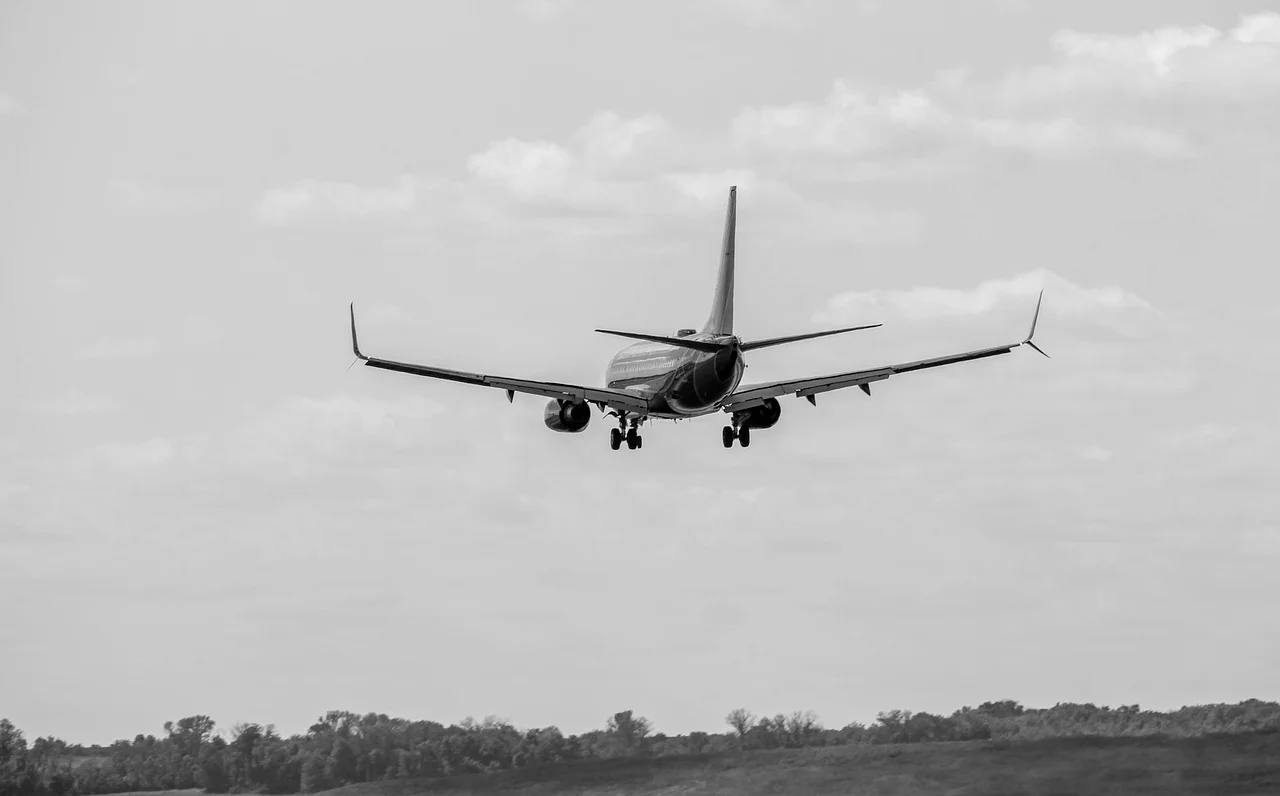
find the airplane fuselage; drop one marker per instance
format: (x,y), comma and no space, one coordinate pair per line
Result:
(677,382)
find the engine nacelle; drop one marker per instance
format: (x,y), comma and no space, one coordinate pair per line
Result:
(566,416)
(764,416)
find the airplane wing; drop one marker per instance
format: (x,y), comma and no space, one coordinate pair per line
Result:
(601,396)
(755,394)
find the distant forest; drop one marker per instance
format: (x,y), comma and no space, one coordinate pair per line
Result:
(343,748)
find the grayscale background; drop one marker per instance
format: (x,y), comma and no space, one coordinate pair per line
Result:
(203,510)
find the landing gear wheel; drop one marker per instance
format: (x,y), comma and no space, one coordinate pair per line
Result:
(633,439)
(639,442)
(727,436)
(615,438)
(744,436)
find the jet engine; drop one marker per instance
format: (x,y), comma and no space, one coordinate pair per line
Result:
(566,416)
(763,416)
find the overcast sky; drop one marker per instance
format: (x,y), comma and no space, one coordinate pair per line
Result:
(203,511)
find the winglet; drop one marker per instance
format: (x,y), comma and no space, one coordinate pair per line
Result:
(355,345)
(1032,333)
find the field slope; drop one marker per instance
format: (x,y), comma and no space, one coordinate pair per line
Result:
(1235,764)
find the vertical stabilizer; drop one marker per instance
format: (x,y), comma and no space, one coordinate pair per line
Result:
(721,318)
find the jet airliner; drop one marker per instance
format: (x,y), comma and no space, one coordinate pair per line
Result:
(693,373)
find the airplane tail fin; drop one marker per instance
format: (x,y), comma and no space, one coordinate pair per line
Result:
(720,321)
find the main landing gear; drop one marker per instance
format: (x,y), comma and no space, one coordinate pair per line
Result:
(631,435)
(743,435)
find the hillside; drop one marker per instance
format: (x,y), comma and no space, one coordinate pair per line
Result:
(1246,764)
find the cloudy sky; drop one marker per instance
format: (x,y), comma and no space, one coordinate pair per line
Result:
(203,511)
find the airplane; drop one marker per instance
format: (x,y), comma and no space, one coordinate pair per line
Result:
(694,373)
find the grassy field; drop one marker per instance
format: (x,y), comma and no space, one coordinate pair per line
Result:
(1241,764)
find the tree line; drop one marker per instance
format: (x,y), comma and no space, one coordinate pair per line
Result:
(342,747)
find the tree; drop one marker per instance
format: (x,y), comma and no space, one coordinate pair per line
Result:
(802,728)
(315,776)
(741,720)
(13,760)
(342,764)
(189,734)
(1005,708)
(698,741)
(247,737)
(628,733)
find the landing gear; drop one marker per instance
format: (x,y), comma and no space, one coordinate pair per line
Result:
(629,433)
(741,433)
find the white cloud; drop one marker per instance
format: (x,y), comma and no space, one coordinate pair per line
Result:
(848,122)
(9,106)
(135,458)
(1204,435)
(546,10)
(853,122)
(1066,136)
(142,197)
(608,141)
(10,490)
(1095,453)
(303,432)
(919,303)
(846,222)
(116,348)
(199,330)
(1169,61)
(758,13)
(1153,381)
(529,169)
(1263,541)
(628,167)
(708,190)
(71,282)
(589,170)
(327,199)
(296,438)
(78,403)
(1263,27)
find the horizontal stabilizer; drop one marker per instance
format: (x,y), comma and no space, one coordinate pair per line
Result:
(683,342)
(753,344)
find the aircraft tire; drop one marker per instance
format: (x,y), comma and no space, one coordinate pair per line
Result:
(615,438)
(727,436)
(744,436)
